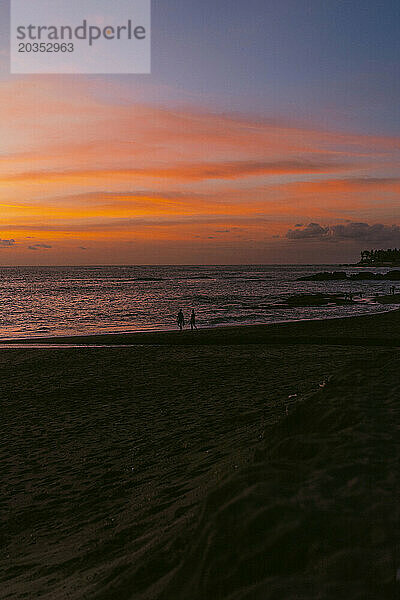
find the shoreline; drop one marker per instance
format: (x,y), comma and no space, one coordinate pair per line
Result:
(371,330)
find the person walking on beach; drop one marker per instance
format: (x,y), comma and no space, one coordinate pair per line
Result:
(193,321)
(181,319)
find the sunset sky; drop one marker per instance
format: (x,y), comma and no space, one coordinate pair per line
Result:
(268,132)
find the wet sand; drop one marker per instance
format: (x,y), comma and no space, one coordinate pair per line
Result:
(258,462)
(369,330)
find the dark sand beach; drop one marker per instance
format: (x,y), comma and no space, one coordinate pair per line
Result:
(256,462)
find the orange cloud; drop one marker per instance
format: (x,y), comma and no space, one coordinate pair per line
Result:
(183,172)
(76,166)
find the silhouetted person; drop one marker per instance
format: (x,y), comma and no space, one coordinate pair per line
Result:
(181,319)
(193,321)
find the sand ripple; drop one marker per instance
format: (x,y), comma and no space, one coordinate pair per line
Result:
(317,514)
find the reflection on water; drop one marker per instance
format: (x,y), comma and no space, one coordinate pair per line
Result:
(46,301)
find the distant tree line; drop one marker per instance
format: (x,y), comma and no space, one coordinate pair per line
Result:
(392,255)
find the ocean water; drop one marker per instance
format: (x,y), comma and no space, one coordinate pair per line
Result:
(48,301)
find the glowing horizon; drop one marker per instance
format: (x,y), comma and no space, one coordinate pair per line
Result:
(102,170)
